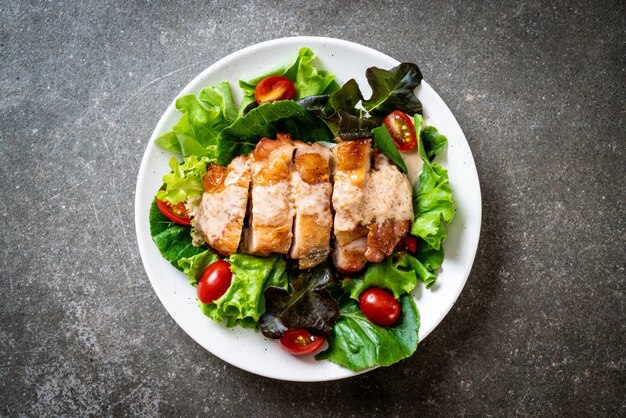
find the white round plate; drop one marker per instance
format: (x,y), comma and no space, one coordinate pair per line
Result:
(245,348)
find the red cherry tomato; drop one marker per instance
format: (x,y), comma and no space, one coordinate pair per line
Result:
(379,307)
(175,213)
(408,244)
(274,88)
(401,130)
(214,281)
(300,342)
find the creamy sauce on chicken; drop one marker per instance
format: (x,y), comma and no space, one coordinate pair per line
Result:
(388,194)
(217,210)
(271,205)
(312,199)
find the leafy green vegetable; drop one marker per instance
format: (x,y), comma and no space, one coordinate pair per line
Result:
(385,143)
(220,96)
(185,180)
(172,240)
(309,305)
(195,265)
(422,272)
(307,79)
(266,121)
(393,89)
(433,205)
(397,276)
(204,117)
(432,201)
(244,300)
(434,142)
(358,344)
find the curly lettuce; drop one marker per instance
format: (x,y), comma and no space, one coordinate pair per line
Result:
(204,117)
(244,302)
(309,81)
(185,179)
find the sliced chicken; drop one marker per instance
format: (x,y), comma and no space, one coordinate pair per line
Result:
(219,218)
(272,211)
(311,191)
(351,175)
(388,208)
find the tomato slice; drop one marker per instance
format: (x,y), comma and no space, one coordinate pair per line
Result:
(300,342)
(408,244)
(274,88)
(214,281)
(401,130)
(175,213)
(379,307)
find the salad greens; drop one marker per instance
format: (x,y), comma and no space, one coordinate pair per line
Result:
(385,143)
(306,304)
(266,121)
(185,180)
(244,302)
(263,293)
(172,240)
(395,275)
(358,344)
(309,81)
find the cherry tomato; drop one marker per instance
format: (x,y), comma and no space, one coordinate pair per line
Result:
(214,281)
(408,244)
(274,88)
(300,342)
(175,213)
(401,130)
(379,307)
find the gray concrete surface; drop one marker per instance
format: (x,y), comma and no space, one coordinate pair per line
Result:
(539,90)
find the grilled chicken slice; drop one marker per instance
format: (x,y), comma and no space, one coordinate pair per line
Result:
(388,207)
(311,191)
(219,218)
(351,175)
(271,214)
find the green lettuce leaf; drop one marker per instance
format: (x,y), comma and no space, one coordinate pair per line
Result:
(397,276)
(220,96)
(422,272)
(393,89)
(172,240)
(434,142)
(185,180)
(432,202)
(358,344)
(433,205)
(195,265)
(266,121)
(308,80)
(384,142)
(308,305)
(204,117)
(244,302)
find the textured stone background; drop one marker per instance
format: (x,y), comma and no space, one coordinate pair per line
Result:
(540,92)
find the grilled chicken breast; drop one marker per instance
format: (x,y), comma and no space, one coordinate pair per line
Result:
(219,218)
(351,175)
(311,192)
(388,208)
(272,211)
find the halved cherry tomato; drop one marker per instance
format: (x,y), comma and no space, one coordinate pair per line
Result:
(401,130)
(408,244)
(379,307)
(300,342)
(214,281)
(274,88)
(175,213)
